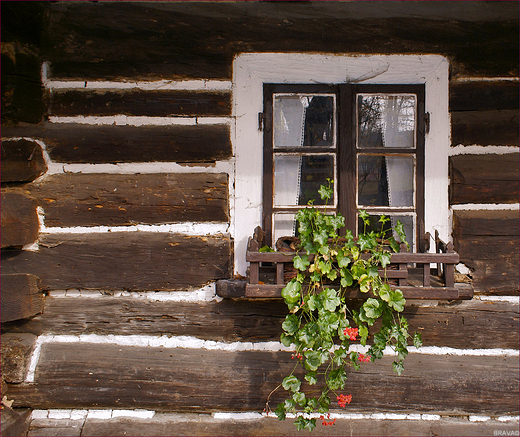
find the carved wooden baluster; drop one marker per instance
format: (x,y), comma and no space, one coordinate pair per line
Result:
(254,267)
(449,269)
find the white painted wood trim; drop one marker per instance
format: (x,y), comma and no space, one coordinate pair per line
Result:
(251,70)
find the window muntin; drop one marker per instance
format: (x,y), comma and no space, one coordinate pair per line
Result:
(372,149)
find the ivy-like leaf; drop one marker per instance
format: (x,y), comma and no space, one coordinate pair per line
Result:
(397,301)
(291,292)
(312,360)
(310,377)
(291,324)
(286,340)
(299,398)
(330,299)
(398,367)
(372,308)
(301,263)
(280,411)
(417,340)
(291,383)
(384,292)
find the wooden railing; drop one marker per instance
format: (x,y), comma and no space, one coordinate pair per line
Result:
(410,272)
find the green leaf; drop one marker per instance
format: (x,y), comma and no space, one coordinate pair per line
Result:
(398,367)
(280,411)
(363,334)
(299,398)
(397,301)
(372,308)
(330,299)
(291,292)
(266,249)
(312,360)
(346,278)
(343,260)
(301,263)
(310,377)
(286,340)
(325,192)
(337,379)
(417,340)
(291,383)
(384,292)
(302,423)
(291,324)
(386,258)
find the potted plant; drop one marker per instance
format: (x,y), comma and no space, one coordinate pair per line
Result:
(321,325)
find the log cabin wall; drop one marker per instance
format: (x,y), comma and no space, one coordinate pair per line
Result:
(117,203)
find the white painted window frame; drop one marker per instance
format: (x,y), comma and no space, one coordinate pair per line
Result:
(252,70)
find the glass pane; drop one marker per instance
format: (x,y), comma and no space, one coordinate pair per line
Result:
(386,120)
(284,225)
(303,120)
(406,220)
(385,180)
(297,179)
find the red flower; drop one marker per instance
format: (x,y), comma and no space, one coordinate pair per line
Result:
(352,333)
(344,400)
(364,358)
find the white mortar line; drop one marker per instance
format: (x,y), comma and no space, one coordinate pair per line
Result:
(107,414)
(190,342)
(485,79)
(130,120)
(510,299)
(184,228)
(476,149)
(485,206)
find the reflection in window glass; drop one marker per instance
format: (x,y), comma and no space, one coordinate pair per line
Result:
(303,120)
(385,180)
(284,225)
(297,179)
(386,120)
(406,220)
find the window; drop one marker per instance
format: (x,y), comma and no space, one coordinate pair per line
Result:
(369,139)
(251,71)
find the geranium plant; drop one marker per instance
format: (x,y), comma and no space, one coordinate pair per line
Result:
(322,326)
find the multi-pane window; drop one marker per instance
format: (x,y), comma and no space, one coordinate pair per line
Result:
(368,139)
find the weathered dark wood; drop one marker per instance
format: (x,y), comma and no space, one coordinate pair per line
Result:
(483,96)
(494,263)
(15,423)
(75,143)
(470,324)
(484,178)
(124,260)
(485,223)
(198,380)
(495,128)
(20,223)
(115,200)
(22,161)
(141,103)
(191,39)
(21,296)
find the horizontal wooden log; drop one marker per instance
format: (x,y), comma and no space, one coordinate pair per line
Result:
(78,143)
(15,423)
(140,103)
(465,324)
(116,200)
(112,376)
(494,127)
(21,296)
(124,260)
(20,224)
(187,39)
(485,223)
(22,161)
(483,96)
(484,178)
(494,262)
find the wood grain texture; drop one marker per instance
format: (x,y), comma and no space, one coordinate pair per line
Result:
(20,224)
(493,127)
(186,39)
(127,260)
(21,296)
(468,324)
(197,380)
(483,96)
(22,161)
(117,200)
(488,178)
(78,143)
(155,103)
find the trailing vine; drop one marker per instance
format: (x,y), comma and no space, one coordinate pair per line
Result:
(320,323)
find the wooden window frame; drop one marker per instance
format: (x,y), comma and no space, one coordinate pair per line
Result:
(346,149)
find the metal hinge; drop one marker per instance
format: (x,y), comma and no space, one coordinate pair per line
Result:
(261,120)
(427,122)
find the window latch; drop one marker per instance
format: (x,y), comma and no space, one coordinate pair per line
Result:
(427,122)
(261,120)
